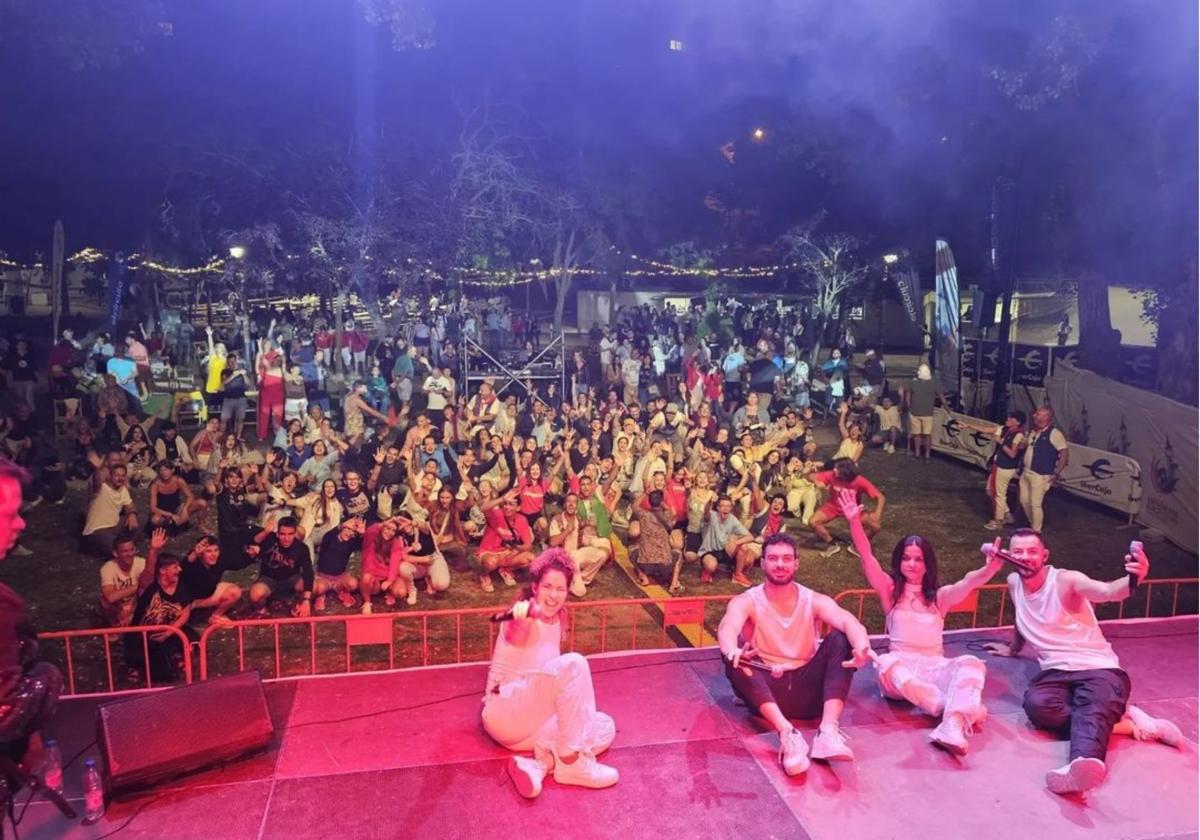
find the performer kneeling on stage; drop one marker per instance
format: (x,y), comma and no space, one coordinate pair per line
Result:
(784,671)
(541,699)
(1081,690)
(29,688)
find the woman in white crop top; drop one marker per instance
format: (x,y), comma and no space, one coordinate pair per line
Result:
(541,699)
(915,667)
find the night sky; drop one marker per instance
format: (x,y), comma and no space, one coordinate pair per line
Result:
(885,115)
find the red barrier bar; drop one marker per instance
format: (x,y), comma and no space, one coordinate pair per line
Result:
(106,635)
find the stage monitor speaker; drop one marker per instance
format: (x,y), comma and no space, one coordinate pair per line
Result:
(159,736)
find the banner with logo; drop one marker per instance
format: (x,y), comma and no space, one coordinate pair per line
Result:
(1107,478)
(946,314)
(907,285)
(1030,364)
(1139,366)
(1160,434)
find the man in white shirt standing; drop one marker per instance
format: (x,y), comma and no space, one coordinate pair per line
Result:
(439,388)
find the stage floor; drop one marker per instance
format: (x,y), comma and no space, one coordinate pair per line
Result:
(693,765)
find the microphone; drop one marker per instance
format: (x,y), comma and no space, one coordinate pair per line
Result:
(991,551)
(518,611)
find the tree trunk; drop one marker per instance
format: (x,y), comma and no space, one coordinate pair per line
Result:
(56,277)
(1099,343)
(339,304)
(1176,339)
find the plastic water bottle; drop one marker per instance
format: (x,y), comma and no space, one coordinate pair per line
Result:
(93,793)
(52,771)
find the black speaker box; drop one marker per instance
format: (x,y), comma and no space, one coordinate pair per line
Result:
(155,737)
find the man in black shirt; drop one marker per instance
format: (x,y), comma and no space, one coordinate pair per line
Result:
(285,565)
(235,510)
(163,600)
(388,475)
(202,571)
(354,498)
(333,563)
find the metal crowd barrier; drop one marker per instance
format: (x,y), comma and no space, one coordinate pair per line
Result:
(73,640)
(327,644)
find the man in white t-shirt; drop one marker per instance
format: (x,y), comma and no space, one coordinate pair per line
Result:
(438,388)
(119,583)
(109,506)
(630,375)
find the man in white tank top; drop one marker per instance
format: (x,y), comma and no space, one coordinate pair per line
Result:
(1081,690)
(778,665)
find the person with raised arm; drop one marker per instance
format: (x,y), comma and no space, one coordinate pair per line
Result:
(1082,691)
(541,699)
(915,604)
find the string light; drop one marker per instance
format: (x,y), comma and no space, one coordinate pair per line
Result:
(480,277)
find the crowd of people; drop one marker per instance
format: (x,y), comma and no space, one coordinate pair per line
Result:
(673,445)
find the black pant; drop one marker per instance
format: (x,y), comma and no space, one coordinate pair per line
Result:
(800,693)
(1084,705)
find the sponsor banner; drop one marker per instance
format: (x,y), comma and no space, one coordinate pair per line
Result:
(907,285)
(1030,364)
(1069,354)
(1107,478)
(947,315)
(1139,366)
(1158,433)
(952,437)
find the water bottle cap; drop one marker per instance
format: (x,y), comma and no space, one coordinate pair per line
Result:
(91,762)
(50,742)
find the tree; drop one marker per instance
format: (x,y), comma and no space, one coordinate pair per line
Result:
(829,268)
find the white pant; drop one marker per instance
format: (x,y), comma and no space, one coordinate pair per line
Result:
(552,709)
(960,681)
(589,560)
(803,503)
(1003,479)
(1033,489)
(437,570)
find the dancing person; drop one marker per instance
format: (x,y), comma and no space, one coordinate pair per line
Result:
(915,604)
(201,573)
(541,699)
(1082,691)
(845,476)
(778,667)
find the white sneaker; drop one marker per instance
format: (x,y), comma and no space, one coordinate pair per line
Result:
(1146,728)
(830,745)
(411,597)
(1078,776)
(993,525)
(793,752)
(20,551)
(527,775)
(951,735)
(31,504)
(585,771)
(831,550)
(367,609)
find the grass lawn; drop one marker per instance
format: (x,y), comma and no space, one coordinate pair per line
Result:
(944,501)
